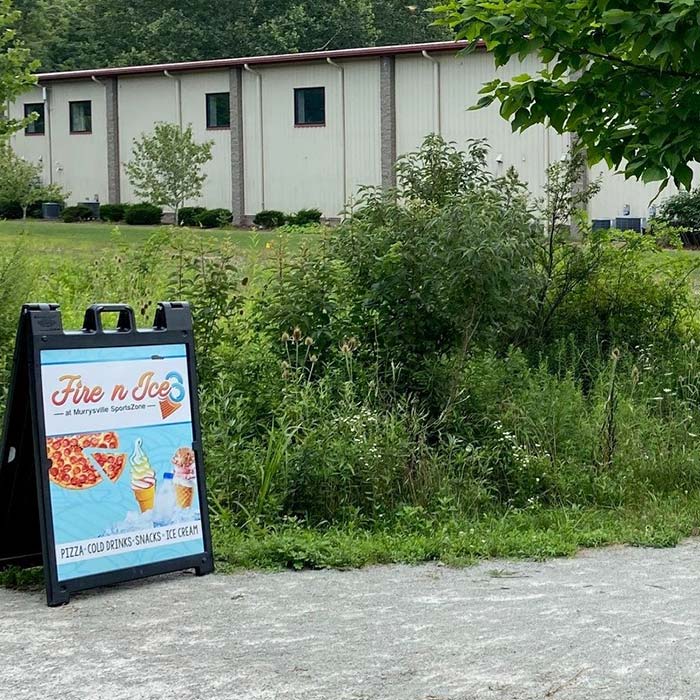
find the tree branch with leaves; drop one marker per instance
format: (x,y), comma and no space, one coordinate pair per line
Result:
(16,68)
(621,75)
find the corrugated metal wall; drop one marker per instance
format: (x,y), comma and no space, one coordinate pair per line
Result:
(617,194)
(143,101)
(461,79)
(34,148)
(415,103)
(304,166)
(364,146)
(310,166)
(217,187)
(79,160)
(82,156)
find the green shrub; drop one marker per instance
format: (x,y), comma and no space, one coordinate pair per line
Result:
(349,466)
(630,295)
(211,284)
(412,279)
(143,215)
(189,216)
(76,214)
(35,210)
(682,209)
(270,218)
(423,374)
(113,212)
(439,171)
(13,210)
(214,218)
(10,210)
(305,230)
(304,217)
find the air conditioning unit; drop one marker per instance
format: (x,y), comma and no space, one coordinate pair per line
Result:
(94,207)
(629,224)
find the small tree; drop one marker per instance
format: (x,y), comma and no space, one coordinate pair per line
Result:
(166,167)
(20,181)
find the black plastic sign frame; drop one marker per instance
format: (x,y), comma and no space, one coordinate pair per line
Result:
(27,534)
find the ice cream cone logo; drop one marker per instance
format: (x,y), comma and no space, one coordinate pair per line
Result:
(168,407)
(174,400)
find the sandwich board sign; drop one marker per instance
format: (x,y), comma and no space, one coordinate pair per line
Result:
(101,469)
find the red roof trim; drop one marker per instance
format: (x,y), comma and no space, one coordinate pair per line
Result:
(368,52)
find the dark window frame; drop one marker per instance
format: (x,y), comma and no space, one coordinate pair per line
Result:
(73,104)
(297,117)
(208,106)
(38,126)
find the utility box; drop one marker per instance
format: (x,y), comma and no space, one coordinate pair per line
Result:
(94,207)
(629,224)
(50,210)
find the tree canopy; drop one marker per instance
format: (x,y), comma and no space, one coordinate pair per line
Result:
(15,67)
(72,34)
(621,74)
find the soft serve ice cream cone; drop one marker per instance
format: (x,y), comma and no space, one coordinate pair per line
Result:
(143,478)
(185,476)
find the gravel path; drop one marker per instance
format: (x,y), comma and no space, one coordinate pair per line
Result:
(611,624)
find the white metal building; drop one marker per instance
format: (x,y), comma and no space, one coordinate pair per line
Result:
(290,131)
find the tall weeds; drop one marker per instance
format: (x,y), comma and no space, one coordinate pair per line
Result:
(442,355)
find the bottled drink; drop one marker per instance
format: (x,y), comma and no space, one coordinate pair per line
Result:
(165,501)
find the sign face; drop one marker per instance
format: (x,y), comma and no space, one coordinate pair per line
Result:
(101,466)
(119,438)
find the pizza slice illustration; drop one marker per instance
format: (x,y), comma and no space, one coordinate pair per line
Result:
(111,464)
(75,458)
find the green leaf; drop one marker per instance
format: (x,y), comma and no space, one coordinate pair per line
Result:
(483,102)
(500,21)
(559,70)
(617,16)
(623,75)
(521,119)
(683,175)
(653,173)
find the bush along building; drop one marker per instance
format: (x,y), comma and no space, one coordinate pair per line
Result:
(293,131)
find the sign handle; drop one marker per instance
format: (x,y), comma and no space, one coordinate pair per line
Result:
(93,318)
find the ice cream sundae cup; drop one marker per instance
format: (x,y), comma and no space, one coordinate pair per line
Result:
(185,476)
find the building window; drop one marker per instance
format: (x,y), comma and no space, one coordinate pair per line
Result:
(81,117)
(38,126)
(310,106)
(218,110)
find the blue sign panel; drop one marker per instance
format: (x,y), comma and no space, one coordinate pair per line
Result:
(123,478)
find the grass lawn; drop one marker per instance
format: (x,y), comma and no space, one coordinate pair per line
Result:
(691,258)
(51,238)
